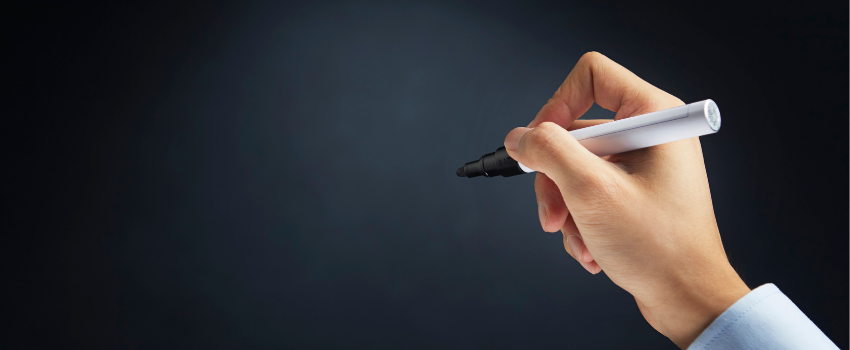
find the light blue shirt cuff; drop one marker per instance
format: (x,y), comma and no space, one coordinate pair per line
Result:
(763,319)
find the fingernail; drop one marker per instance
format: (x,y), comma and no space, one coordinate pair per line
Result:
(582,254)
(585,255)
(590,267)
(543,214)
(512,140)
(575,246)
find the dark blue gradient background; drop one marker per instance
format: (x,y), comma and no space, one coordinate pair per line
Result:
(281,175)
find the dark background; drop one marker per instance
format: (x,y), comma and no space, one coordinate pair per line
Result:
(281,175)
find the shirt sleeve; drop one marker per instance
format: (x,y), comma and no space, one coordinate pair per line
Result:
(763,319)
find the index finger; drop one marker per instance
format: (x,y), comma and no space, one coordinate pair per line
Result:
(596,78)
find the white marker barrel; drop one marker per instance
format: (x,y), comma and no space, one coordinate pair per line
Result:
(646,130)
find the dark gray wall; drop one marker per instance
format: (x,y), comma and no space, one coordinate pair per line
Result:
(267,175)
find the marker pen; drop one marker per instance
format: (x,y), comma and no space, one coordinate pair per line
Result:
(645,130)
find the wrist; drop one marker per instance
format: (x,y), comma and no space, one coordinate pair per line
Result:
(696,302)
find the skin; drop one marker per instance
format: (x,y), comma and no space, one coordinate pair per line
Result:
(644,217)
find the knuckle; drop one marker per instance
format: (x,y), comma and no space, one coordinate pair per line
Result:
(548,129)
(592,58)
(543,137)
(542,146)
(595,217)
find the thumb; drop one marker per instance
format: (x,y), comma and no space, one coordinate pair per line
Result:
(552,150)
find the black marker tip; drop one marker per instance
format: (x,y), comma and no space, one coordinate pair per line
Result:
(491,164)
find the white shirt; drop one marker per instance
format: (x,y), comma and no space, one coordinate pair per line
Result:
(763,319)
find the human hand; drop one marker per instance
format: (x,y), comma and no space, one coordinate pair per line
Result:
(644,217)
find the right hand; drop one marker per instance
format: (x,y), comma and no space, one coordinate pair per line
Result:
(644,217)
